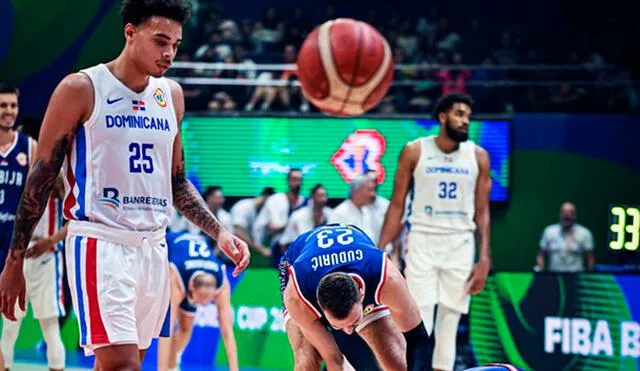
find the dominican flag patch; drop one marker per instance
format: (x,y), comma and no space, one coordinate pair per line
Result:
(138,105)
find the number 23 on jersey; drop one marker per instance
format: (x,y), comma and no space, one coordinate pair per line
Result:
(328,237)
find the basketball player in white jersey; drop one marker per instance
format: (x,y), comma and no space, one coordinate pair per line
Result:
(450,186)
(116,129)
(44,286)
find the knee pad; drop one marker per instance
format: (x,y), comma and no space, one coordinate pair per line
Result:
(55,348)
(446,328)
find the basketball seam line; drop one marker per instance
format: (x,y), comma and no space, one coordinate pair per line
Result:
(356,66)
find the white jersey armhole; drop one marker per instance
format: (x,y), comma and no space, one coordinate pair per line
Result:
(97,98)
(172,107)
(473,147)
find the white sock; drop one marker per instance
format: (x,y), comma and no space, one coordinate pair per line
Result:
(55,348)
(10,331)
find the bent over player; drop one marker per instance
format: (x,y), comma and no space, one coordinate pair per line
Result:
(336,278)
(197,278)
(116,129)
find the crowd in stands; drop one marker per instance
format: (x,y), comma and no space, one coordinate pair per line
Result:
(452,53)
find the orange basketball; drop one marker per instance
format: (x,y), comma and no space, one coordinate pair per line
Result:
(345,67)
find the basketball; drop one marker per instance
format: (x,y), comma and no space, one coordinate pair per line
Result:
(345,67)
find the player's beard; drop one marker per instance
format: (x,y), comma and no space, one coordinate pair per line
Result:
(455,135)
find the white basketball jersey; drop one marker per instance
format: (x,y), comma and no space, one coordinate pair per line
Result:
(118,170)
(443,193)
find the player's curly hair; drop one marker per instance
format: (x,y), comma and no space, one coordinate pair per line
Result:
(137,12)
(337,293)
(446,102)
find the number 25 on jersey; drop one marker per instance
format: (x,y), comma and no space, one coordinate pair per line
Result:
(140,160)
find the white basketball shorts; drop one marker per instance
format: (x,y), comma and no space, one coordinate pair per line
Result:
(44,290)
(119,283)
(437,268)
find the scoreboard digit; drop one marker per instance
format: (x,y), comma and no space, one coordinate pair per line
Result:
(624,227)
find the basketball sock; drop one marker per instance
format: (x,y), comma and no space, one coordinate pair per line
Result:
(446,328)
(55,348)
(10,331)
(419,348)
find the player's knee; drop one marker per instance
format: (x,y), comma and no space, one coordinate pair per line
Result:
(118,357)
(185,331)
(124,364)
(307,358)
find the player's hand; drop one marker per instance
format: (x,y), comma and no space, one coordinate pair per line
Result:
(41,246)
(478,277)
(12,287)
(236,249)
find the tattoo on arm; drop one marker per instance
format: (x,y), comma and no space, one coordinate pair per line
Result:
(189,203)
(40,183)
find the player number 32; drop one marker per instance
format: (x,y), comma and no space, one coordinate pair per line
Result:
(448,190)
(140,160)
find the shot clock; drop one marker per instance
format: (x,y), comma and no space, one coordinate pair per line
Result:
(624,228)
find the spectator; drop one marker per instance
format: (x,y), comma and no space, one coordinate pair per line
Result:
(215,200)
(454,81)
(287,93)
(449,39)
(309,217)
(428,25)
(264,94)
(273,218)
(378,207)
(407,40)
(506,54)
(270,19)
(244,214)
(295,30)
(353,210)
(222,102)
(566,244)
(230,32)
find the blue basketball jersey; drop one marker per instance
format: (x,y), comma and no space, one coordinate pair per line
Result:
(189,254)
(14,166)
(337,248)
